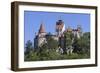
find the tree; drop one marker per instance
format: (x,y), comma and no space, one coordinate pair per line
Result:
(43,50)
(75,45)
(68,37)
(48,49)
(86,39)
(82,44)
(31,56)
(28,47)
(51,43)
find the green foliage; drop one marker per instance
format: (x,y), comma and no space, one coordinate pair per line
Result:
(68,36)
(53,55)
(82,44)
(48,50)
(28,47)
(51,43)
(32,56)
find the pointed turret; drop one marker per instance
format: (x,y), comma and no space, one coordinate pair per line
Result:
(42,30)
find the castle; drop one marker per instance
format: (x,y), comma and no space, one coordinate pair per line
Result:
(42,35)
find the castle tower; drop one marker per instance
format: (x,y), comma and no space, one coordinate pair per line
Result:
(69,29)
(79,27)
(40,39)
(79,32)
(60,27)
(41,30)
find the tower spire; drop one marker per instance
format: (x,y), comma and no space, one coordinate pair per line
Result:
(41,30)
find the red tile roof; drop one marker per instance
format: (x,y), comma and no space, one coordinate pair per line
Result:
(41,30)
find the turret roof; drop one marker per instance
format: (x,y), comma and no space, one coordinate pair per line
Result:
(42,29)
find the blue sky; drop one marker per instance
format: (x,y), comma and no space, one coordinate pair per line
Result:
(33,20)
